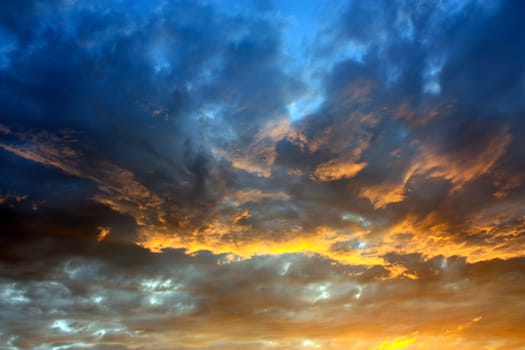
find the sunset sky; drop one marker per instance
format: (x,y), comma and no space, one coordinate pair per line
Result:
(253,175)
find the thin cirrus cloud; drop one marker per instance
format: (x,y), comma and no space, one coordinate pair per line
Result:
(257,175)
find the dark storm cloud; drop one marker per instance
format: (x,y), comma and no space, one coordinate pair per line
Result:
(418,127)
(135,90)
(156,108)
(390,212)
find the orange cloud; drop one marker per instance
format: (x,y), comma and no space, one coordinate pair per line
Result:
(458,171)
(119,189)
(337,169)
(221,238)
(398,343)
(255,196)
(382,195)
(259,155)
(103,232)
(431,163)
(432,236)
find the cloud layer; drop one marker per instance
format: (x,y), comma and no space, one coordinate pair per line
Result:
(257,175)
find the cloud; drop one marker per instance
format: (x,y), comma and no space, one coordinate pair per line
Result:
(214,175)
(457,168)
(103,232)
(257,196)
(337,169)
(399,343)
(284,304)
(119,189)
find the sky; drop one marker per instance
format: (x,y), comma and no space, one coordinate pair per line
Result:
(301,175)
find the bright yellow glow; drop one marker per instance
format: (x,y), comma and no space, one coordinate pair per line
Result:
(398,343)
(213,239)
